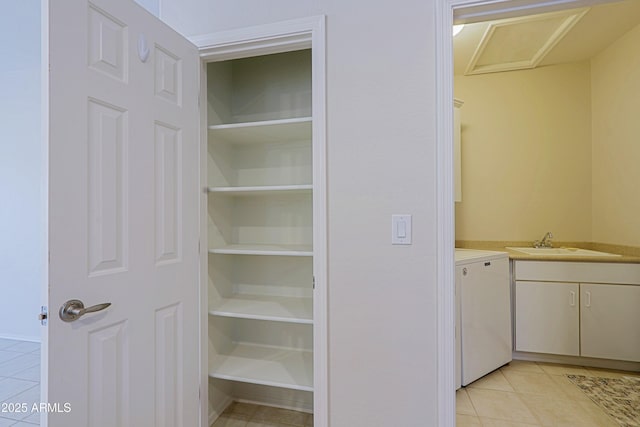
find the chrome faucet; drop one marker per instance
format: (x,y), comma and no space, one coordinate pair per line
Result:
(545,242)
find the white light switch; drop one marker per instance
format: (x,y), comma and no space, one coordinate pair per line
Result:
(401,229)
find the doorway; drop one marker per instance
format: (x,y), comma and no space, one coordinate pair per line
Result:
(470,12)
(22,215)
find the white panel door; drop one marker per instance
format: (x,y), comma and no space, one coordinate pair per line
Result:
(123,146)
(547,317)
(610,316)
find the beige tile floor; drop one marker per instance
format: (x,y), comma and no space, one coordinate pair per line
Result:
(531,394)
(519,394)
(248,415)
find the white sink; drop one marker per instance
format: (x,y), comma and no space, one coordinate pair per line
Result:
(560,252)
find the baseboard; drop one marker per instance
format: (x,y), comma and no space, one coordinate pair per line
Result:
(279,404)
(274,396)
(619,365)
(296,400)
(218,410)
(20,337)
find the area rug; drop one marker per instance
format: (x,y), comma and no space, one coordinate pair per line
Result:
(618,397)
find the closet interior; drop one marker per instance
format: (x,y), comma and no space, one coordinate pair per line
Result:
(260,228)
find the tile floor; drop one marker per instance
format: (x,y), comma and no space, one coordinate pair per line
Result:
(19,382)
(519,394)
(248,415)
(532,394)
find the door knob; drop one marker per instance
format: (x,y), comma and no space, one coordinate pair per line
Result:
(74,309)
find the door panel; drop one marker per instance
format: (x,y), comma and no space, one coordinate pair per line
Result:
(123,142)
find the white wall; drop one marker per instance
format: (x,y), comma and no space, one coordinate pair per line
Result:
(21,198)
(381,160)
(192,17)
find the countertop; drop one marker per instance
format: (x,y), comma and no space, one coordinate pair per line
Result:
(629,254)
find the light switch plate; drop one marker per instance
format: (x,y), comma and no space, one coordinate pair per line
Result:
(400,229)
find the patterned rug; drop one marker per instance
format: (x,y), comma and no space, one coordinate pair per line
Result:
(618,397)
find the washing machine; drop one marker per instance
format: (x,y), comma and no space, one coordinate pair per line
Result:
(483,302)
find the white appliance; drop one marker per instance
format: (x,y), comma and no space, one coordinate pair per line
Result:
(483,301)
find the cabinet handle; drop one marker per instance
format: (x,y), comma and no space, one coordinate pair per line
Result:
(573,299)
(588,304)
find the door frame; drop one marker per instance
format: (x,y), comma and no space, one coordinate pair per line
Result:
(267,39)
(448,12)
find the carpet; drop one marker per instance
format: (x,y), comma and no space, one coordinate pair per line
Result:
(618,397)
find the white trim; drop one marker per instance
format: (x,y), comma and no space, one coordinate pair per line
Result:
(206,417)
(284,37)
(218,410)
(278,37)
(44,286)
(319,153)
(467,11)
(28,338)
(445,258)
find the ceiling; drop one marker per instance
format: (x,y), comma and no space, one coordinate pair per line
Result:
(538,40)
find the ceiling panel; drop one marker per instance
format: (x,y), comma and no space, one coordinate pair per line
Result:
(518,43)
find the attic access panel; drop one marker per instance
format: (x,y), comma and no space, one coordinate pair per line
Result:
(521,43)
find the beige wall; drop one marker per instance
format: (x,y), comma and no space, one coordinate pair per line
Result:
(615,90)
(526,154)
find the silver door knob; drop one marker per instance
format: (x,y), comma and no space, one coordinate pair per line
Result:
(74,309)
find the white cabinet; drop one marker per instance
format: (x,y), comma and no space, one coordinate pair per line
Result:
(609,318)
(457,150)
(260,230)
(558,311)
(547,317)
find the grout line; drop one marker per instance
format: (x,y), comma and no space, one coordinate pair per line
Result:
(471,401)
(500,420)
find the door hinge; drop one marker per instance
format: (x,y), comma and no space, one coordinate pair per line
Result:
(314,282)
(199,251)
(43,316)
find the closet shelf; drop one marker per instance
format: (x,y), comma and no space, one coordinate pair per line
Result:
(271,366)
(284,130)
(265,307)
(276,250)
(262,190)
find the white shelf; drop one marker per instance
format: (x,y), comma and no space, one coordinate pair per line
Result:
(269,366)
(263,307)
(276,250)
(261,190)
(285,130)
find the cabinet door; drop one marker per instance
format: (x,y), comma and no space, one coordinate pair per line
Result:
(610,315)
(547,317)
